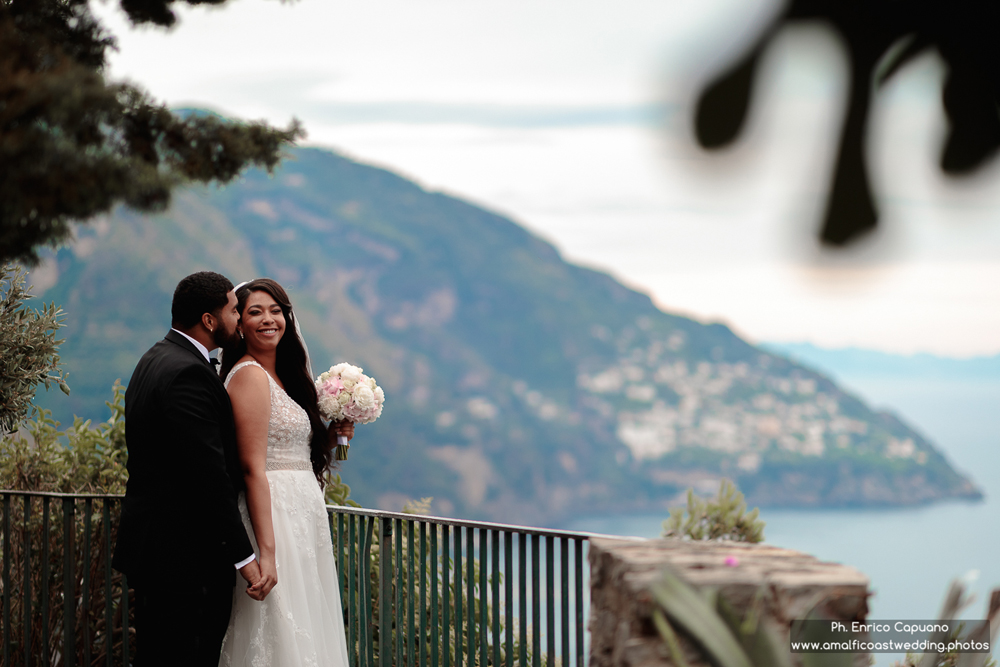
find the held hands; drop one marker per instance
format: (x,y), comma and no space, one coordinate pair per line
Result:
(261,577)
(268,579)
(250,572)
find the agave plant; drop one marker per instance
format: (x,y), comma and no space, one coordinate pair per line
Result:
(730,639)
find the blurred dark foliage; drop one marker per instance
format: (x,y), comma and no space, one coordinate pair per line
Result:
(73,145)
(880,36)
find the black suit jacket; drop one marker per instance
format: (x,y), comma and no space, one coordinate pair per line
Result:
(180,515)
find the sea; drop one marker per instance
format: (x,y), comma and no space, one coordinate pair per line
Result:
(910,554)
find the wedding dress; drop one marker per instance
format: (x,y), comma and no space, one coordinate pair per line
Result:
(300,622)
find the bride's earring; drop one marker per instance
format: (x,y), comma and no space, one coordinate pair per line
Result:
(241,334)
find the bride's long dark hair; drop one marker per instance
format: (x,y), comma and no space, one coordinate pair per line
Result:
(290,363)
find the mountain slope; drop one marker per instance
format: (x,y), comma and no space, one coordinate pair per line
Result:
(519,387)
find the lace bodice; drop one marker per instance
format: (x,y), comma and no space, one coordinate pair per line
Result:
(288,430)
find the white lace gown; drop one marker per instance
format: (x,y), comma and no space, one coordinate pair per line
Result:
(300,623)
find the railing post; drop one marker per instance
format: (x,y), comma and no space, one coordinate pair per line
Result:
(483,596)
(495,588)
(7,555)
(69,583)
(579,601)
(446,590)
(108,602)
(364,627)
(564,601)
(341,563)
(536,609)
(470,592)
(367,595)
(88,508)
(26,583)
(384,593)
(522,608)
(550,598)
(411,575)
(422,642)
(434,596)
(508,561)
(458,597)
(398,616)
(352,577)
(45,580)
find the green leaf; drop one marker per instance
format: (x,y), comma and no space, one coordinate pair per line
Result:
(687,608)
(669,638)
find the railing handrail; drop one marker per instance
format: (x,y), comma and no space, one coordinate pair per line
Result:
(463,523)
(55,494)
(362,511)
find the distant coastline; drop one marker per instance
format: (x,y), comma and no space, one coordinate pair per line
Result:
(852,361)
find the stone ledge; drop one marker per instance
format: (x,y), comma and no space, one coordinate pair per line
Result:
(623,571)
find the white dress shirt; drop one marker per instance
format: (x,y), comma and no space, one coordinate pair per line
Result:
(204,352)
(201,348)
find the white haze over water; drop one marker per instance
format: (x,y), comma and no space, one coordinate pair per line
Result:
(574,118)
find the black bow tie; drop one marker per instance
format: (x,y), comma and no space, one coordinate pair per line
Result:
(214,361)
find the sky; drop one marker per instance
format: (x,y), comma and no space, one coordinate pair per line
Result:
(574,119)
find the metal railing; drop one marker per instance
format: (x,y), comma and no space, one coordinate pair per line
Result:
(62,603)
(454,593)
(460,592)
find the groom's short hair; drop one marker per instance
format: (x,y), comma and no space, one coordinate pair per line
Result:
(199,293)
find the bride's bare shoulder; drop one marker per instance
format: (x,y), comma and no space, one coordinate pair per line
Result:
(247,377)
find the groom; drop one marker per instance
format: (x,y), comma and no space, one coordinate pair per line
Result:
(181,539)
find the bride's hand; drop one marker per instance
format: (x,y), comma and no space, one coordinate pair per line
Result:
(344,427)
(268,580)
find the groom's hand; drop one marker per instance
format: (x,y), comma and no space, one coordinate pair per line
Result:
(251,572)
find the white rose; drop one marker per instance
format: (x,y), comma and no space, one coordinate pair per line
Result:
(329,407)
(379,396)
(351,373)
(364,398)
(343,398)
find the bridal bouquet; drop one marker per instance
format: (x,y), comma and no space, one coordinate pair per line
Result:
(345,392)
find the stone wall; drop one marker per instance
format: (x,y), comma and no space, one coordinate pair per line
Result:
(784,584)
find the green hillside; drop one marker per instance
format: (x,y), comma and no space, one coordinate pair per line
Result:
(519,387)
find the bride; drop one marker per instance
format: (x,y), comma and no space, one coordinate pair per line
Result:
(284,450)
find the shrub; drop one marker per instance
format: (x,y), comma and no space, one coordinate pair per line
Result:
(80,459)
(28,347)
(722,518)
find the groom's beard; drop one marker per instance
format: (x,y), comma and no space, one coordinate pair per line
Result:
(225,339)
